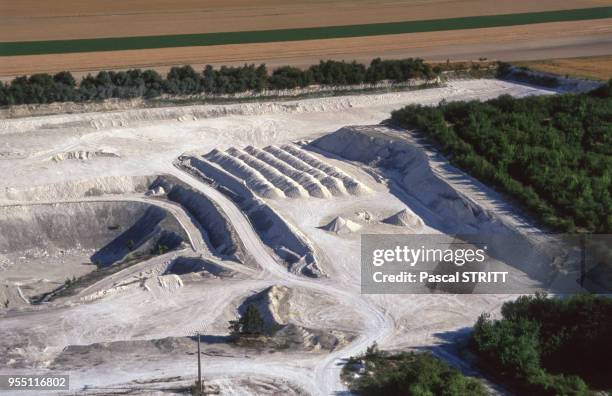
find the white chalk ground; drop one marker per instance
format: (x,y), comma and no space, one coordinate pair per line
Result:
(146,142)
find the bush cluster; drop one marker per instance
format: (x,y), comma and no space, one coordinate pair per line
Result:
(407,373)
(551,153)
(184,80)
(549,346)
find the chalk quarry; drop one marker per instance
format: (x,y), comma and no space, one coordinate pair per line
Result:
(127,232)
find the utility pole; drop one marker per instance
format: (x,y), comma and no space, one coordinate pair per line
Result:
(199,369)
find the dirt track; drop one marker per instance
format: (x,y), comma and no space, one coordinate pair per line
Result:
(88,19)
(149,140)
(551,40)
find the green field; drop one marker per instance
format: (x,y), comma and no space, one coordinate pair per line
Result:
(317,33)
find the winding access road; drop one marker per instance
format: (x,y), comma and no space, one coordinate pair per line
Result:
(377,325)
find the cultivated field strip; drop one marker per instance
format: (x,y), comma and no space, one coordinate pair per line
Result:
(253,178)
(15,48)
(306,180)
(351,185)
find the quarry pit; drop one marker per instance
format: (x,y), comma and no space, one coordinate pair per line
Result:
(201,210)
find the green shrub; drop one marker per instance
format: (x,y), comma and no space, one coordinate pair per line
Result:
(552,154)
(249,324)
(408,373)
(549,346)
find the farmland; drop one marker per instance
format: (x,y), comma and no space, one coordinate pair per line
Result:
(550,40)
(298,34)
(76,19)
(236,32)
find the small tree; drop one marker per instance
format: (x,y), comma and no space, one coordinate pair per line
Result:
(372,350)
(251,323)
(162,249)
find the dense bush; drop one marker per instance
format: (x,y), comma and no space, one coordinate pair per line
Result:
(338,73)
(406,374)
(39,88)
(288,77)
(549,346)
(605,91)
(123,84)
(399,70)
(44,88)
(229,80)
(551,153)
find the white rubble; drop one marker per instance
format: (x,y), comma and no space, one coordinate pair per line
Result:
(304,187)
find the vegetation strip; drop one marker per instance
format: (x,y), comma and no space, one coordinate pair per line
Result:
(314,33)
(550,153)
(548,346)
(62,87)
(406,373)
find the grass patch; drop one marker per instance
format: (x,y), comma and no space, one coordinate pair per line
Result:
(315,33)
(593,67)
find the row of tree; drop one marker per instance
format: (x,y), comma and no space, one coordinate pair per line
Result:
(545,346)
(553,154)
(184,80)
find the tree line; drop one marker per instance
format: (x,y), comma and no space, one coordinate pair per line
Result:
(184,80)
(545,346)
(552,154)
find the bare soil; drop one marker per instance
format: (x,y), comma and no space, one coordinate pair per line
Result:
(134,329)
(550,40)
(74,19)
